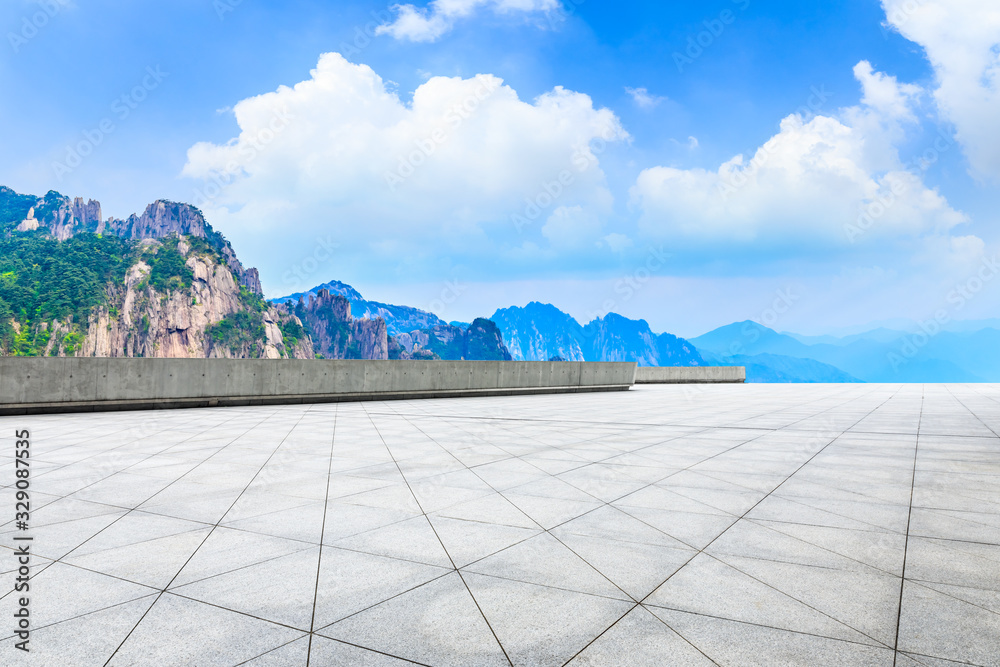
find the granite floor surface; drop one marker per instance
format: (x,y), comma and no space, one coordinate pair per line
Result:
(669,525)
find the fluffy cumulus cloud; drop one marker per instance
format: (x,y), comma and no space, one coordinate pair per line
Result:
(430,23)
(962,42)
(824,182)
(341,154)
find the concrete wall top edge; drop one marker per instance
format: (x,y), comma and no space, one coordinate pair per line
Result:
(29,380)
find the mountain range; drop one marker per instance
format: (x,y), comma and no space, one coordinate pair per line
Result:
(164,283)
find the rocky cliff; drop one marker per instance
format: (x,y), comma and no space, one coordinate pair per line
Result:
(482,341)
(334,332)
(197,320)
(63,218)
(617,338)
(160,284)
(540,331)
(398,319)
(139,320)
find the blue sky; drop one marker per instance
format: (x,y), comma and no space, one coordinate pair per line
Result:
(637,106)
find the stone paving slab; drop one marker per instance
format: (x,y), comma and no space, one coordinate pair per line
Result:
(669,525)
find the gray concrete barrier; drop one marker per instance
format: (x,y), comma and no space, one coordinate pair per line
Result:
(38,385)
(690,374)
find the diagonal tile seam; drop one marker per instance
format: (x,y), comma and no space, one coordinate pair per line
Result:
(976,416)
(909,519)
(272,650)
(929,585)
(630,610)
(935,538)
(601,501)
(97,436)
(127,513)
(875,530)
(878,642)
(798,500)
(275,451)
(112,509)
(154,455)
(151,594)
(817,453)
(447,553)
(243,567)
(319,631)
(542,528)
(628,597)
(322,533)
(947,544)
(365,648)
(172,426)
(817,546)
(821,484)
(151,456)
(916,658)
(880,645)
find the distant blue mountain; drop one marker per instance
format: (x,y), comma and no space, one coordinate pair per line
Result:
(334,287)
(960,352)
(881,355)
(540,331)
(778,368)
(398,319)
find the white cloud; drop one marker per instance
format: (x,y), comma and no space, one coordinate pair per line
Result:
(885,94)
(572,227)
(430,23)
(618,243)
(962,42)
(402,184)
(643,99)
(690,144)
(823,182)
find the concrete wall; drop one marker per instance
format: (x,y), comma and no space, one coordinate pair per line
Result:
(690,374)
(32,385)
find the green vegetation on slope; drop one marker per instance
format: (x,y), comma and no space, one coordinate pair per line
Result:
(168,269)
(238,331)
(42,279)
(244,330)
(13,208)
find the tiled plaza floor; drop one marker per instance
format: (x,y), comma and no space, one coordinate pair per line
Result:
(730,525)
